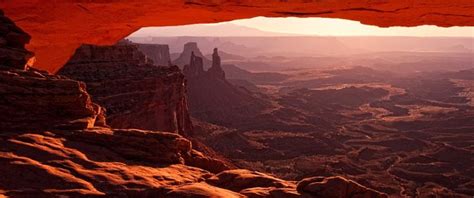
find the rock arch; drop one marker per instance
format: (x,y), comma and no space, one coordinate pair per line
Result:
(59,27)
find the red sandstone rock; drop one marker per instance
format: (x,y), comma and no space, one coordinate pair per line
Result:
(202,190)
(59,27)
(98,161)
(336,187)
(12,45)
(135,93)
(239,179)
(32,99)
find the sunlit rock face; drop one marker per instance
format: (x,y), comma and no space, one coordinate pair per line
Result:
(32,99)
(59,27)
(135,93)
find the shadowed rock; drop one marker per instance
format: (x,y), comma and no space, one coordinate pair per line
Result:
(135,93)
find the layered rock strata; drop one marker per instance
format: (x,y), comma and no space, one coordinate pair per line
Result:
(160,54)
(32,99)
(135,93)
(38,160)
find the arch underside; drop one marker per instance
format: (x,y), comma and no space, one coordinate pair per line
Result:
(57,29)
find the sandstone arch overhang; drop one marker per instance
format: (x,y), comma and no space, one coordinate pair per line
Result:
(59,27)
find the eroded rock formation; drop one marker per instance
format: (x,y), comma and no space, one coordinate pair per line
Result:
(136,94)
(12,44)
(216,69)
(122,163)
(191,50)
(213,98)
(160,54)
(58,28)
(33,99)
(84,160)
(335,187)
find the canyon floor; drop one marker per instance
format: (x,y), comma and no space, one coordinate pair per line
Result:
(405,134)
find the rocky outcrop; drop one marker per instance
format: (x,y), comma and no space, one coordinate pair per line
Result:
(31,99)
(12,45)
(336,187)
(195,67)
(50,147)
(191,50)
(216,70)
(212,98)
(95,162)
(160,54)
(121,163)
(136,94)
(122,53)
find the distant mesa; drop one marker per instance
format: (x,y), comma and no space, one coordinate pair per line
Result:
(184,57)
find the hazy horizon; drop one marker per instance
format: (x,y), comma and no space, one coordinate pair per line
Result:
(291,26)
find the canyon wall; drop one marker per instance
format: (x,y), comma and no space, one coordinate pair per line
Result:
(54,143)
(160,54)
(135,93)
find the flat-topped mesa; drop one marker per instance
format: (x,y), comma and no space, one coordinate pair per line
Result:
(195,67)
(135,93)
(121,53)
(216,69)
(188,49)
(160,54)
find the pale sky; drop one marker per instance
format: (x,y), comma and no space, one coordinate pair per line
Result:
(341,27)
(263,26)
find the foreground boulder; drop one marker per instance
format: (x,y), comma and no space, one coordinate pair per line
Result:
(130,163)
(336,187)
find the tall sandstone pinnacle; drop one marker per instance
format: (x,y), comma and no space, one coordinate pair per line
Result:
(194,68)
(189,49)
(216,69)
